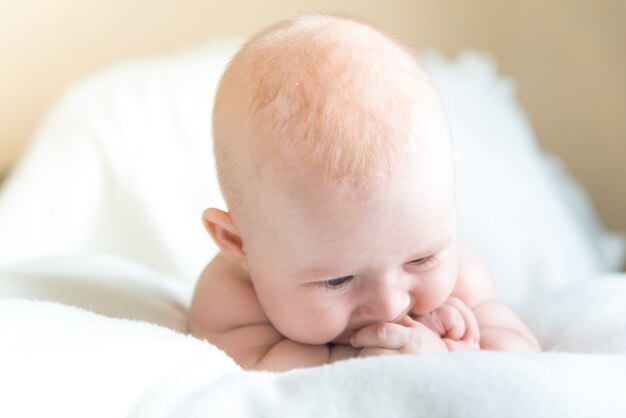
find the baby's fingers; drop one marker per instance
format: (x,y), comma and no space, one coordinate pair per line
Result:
(386,335)
(472,331)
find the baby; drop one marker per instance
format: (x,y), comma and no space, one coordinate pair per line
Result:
(340,240)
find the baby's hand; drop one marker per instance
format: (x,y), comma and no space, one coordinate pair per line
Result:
(392,338)
(453,321)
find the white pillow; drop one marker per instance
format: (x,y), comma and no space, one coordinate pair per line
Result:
(123,164)
(532,224)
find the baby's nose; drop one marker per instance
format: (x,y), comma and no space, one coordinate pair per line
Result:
(387,304)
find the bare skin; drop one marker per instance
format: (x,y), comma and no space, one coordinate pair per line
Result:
(226,312)
(328,285)
(340,240)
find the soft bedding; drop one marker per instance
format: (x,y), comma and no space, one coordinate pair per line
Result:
(63,361)
(101,243)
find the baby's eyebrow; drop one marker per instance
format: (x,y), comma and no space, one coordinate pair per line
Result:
(308,273)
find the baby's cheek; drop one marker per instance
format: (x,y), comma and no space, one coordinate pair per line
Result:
(434,291)
(310,326)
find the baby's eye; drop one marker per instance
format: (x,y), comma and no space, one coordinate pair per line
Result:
(336,283)
(420,261)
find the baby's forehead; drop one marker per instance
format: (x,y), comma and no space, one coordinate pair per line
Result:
(342,221)
(427,177)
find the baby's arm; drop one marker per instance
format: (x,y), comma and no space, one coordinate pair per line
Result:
(226,312)
(500,328)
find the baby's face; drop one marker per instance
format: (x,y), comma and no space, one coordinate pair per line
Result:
(331,263)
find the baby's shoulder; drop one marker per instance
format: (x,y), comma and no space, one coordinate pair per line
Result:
(469,261)
(224,299)
(474,284)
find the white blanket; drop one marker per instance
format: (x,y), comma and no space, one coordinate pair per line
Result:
(64,361)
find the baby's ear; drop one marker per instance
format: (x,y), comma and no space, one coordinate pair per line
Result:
(223,231)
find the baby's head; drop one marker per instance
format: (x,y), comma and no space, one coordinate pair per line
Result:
(335,162)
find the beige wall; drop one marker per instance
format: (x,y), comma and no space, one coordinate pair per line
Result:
(569,57)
